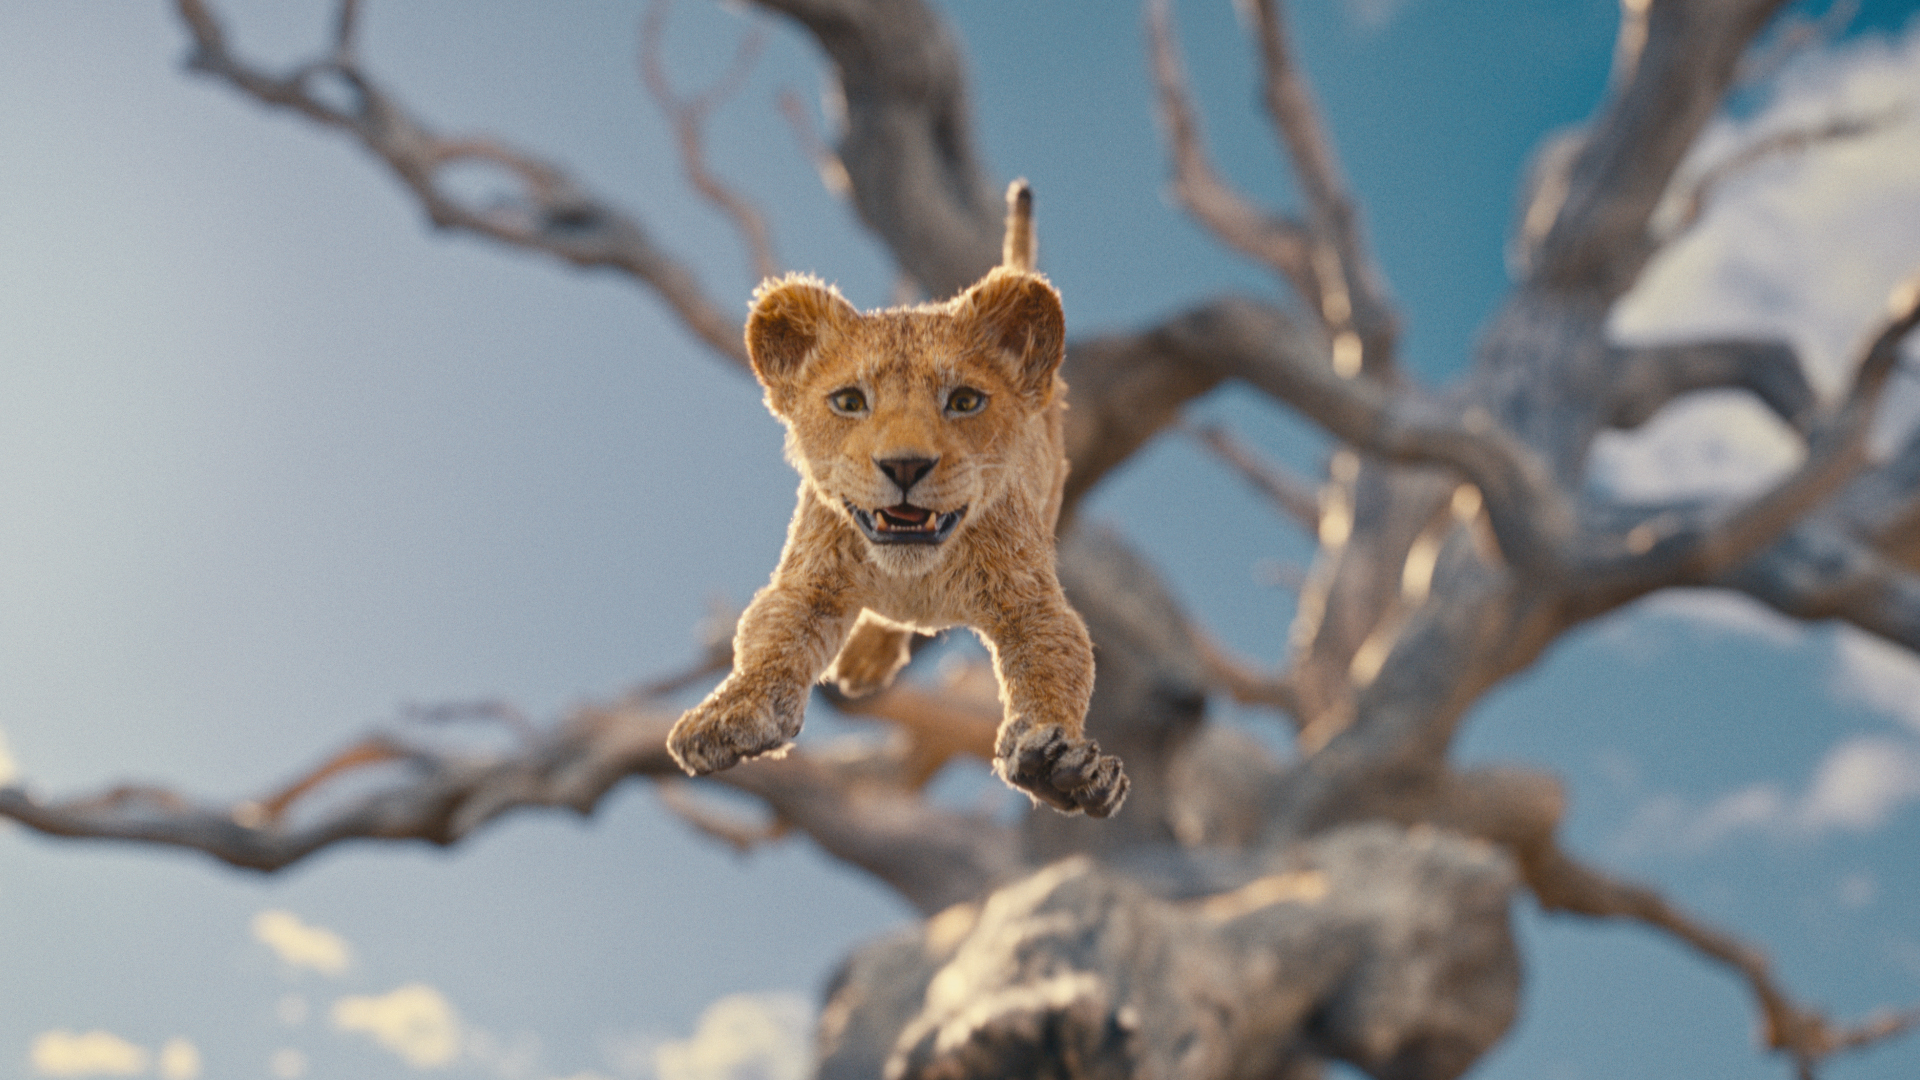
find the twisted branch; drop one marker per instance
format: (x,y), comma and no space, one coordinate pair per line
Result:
(1353,296)
(689,119)
(1562,883)
(908,142)
(556,215)
(1676,60)
(1668,548)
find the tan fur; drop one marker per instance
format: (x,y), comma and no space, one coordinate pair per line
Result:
(844,606)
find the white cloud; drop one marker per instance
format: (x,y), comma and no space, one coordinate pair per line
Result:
(1804,246)
(96,1053)
(1859,785)
(9,771)
(1857,890)
(414,1021)
(301,946)
(179,1060)
(1717,442)
(1862,782)
(743,1037)
(1878,674)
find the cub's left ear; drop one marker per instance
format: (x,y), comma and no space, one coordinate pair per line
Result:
(1019,313)
(791,317)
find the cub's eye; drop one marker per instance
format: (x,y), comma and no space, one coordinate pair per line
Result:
(847,402)
(965,401)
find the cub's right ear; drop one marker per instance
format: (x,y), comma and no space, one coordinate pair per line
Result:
(790,315)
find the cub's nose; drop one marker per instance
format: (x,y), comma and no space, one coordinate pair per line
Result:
(906,471)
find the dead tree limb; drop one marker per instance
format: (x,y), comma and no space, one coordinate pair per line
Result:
(1677,59)
(907,145)
(689,118)
(555,214)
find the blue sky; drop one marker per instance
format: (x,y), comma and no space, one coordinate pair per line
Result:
(275,461)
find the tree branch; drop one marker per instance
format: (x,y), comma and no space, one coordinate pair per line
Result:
(933,857)
(1279,243)
(1291,494)
(908,142)
(689,120)
(1821,570)
(446,796)
(1676,61)
(1241,680)
(1128,387)
(557,216)
(1693,204)
(1561,883)
(1324,258)
(1668,548)
(1648,378)
(1353,295)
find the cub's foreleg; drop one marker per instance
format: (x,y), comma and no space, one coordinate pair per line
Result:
(876,650)
(1044,659)
(784,641)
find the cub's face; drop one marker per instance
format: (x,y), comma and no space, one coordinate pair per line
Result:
(906,420)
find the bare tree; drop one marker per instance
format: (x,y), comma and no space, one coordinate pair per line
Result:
(1243,917)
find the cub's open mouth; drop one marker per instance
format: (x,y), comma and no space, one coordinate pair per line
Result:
(905,524)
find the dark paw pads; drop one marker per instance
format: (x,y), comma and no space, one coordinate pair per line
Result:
(1068,774)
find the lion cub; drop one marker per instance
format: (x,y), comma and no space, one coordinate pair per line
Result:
(930,451)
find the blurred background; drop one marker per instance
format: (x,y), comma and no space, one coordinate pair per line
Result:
(278,465)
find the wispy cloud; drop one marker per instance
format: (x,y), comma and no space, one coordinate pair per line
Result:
(302,946)
(743,1037)
(414,1021)
(1860,783)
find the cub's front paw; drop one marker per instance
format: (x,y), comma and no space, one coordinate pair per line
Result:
(1067,773)
(733,725)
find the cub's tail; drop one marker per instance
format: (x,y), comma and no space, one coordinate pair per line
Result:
(1020,250)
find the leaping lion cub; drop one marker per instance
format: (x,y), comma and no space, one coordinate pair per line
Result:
(931,458)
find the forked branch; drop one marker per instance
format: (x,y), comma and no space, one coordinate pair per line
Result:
(849,805)
(1562,883)
(1322,257)
(1282,244)
(554,214)
(1676,60)
(689,119)
(1353,294)
(1675,549)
